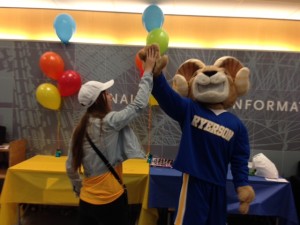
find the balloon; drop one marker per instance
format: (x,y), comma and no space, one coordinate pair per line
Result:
(52,65)
(65,27)
(152,101)
(139,64)
(48,96)
(69,83)
(153,17)
(160,37)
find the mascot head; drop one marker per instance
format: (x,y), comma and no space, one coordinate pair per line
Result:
(218,85)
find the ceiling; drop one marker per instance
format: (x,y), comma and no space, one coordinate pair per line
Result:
(271,9)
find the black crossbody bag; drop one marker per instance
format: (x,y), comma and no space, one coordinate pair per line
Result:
(107,163)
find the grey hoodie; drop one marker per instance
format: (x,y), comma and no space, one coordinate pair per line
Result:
(117,141)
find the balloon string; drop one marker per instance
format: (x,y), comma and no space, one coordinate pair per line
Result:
(58,129)
(149,129)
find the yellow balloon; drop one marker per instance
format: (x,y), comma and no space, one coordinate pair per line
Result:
(48,96)
(152,101)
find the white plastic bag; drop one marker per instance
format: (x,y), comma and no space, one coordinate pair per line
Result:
(264,167)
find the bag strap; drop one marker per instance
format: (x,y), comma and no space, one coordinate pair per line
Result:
(106,162)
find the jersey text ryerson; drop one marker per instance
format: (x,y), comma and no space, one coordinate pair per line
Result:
(212,127)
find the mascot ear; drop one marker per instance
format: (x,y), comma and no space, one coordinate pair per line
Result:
(237,71)
(242,81)
(184,75)
(180,85)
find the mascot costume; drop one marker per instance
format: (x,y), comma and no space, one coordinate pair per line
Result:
(212,138)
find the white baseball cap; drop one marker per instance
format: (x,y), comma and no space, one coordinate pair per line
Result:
(90,91)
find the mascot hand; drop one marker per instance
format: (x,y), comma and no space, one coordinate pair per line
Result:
(245,195)
(160,63)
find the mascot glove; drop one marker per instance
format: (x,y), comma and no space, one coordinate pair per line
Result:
(246,195)
(160,62)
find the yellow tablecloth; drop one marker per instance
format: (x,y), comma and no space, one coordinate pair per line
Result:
(42,180)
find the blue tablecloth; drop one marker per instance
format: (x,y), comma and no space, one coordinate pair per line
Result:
(272,198)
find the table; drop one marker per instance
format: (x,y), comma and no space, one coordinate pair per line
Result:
(42,179)
(272,198)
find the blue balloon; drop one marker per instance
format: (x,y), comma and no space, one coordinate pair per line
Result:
(65,27)
(153,17)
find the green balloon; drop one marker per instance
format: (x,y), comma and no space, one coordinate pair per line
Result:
(160,37)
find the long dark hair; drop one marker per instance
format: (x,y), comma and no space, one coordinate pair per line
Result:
(98,110)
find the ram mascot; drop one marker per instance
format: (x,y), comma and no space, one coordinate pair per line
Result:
(212,138)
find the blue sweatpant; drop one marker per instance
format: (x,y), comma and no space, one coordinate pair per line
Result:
(201,203)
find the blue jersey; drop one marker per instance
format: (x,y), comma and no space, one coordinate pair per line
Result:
(209,141)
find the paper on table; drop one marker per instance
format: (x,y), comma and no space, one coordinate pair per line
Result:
(280,180)
(264,167)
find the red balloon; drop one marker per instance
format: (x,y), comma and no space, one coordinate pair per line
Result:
(139,64)
(69,83)
(52,65)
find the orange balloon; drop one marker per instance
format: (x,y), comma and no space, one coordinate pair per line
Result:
(52,65)
(139,64)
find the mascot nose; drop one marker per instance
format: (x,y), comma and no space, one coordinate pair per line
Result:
(210,73)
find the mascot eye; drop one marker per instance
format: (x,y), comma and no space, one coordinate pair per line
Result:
(210,73)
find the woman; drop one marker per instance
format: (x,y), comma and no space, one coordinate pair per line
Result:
(102,198)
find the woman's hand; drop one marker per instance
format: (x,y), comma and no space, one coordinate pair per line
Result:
(152,55)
